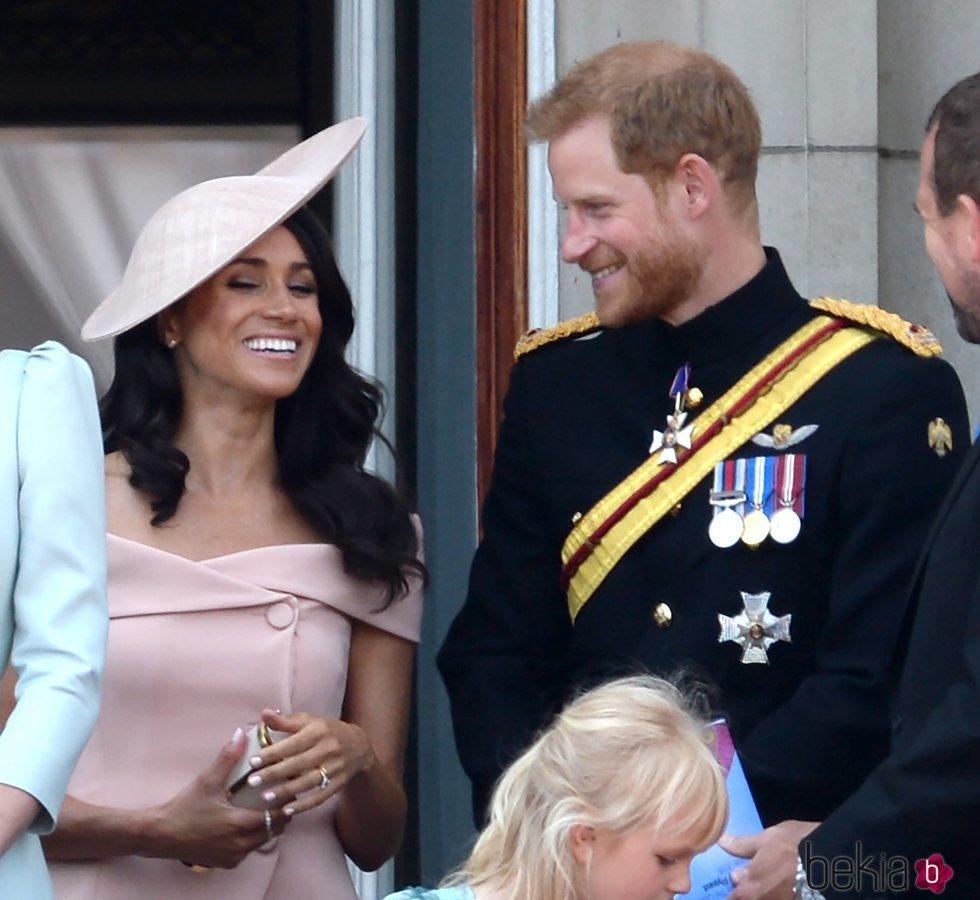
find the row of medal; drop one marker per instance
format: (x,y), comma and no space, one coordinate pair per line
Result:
(757,498)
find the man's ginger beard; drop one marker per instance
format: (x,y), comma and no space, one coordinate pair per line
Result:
(658,280)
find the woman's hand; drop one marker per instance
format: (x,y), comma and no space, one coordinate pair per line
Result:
(200,826)
(357,759)
(318,759)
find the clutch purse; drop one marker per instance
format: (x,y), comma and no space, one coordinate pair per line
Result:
(258,737)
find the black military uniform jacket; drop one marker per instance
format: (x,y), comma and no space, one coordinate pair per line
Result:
(579,416)
(925,797)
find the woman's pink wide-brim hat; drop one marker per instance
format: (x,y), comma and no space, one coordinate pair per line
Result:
(202,229)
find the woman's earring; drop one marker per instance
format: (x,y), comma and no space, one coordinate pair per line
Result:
(172,343)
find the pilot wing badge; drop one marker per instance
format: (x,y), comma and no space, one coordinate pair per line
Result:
(783,436)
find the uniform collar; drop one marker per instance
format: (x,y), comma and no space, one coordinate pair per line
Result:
(748,316)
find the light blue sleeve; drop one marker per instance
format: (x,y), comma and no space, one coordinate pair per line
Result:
(59,599)
(459,892)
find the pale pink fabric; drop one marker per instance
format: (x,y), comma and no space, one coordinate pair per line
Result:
(197,649)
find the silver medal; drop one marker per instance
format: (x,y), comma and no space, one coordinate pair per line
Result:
(784,528)
(786,521)
(725,528)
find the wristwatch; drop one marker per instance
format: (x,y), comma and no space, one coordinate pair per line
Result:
(801,887)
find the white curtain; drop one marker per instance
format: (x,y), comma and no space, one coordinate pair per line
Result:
(72,203)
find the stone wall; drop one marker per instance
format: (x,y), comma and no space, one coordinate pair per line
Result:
(843,88)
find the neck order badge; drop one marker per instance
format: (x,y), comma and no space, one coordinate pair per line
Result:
(676,434)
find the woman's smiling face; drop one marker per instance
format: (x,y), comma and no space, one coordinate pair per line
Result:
(253,327)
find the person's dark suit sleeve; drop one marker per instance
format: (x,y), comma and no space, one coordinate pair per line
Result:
(502,658)
(809,754)
(928,789)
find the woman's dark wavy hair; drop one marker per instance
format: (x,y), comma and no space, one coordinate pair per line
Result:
(322,433)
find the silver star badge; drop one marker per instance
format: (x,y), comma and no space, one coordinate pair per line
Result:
(675,435)
(755,629)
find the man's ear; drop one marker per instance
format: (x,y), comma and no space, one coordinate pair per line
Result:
(581,840)
(969,211)
(700,182)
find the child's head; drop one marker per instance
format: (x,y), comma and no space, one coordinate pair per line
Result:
(611,801)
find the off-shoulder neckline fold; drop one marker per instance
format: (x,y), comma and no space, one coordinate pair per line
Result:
(209,559)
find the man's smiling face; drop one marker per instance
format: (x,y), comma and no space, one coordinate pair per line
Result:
(629,238)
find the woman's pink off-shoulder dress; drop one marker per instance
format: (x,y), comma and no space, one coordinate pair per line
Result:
(196,650)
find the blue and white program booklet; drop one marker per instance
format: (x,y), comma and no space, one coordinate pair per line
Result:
(711,870)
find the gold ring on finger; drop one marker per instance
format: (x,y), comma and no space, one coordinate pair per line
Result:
(268,824)
(324,777)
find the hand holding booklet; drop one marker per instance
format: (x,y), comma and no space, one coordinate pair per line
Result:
(711,870)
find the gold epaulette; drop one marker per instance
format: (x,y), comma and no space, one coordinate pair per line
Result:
(538,337)
(919,339)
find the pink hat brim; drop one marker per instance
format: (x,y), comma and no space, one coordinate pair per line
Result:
(198,232)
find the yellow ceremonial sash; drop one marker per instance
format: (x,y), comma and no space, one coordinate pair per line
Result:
(606,532)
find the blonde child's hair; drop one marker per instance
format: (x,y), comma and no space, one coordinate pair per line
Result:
(619,757)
